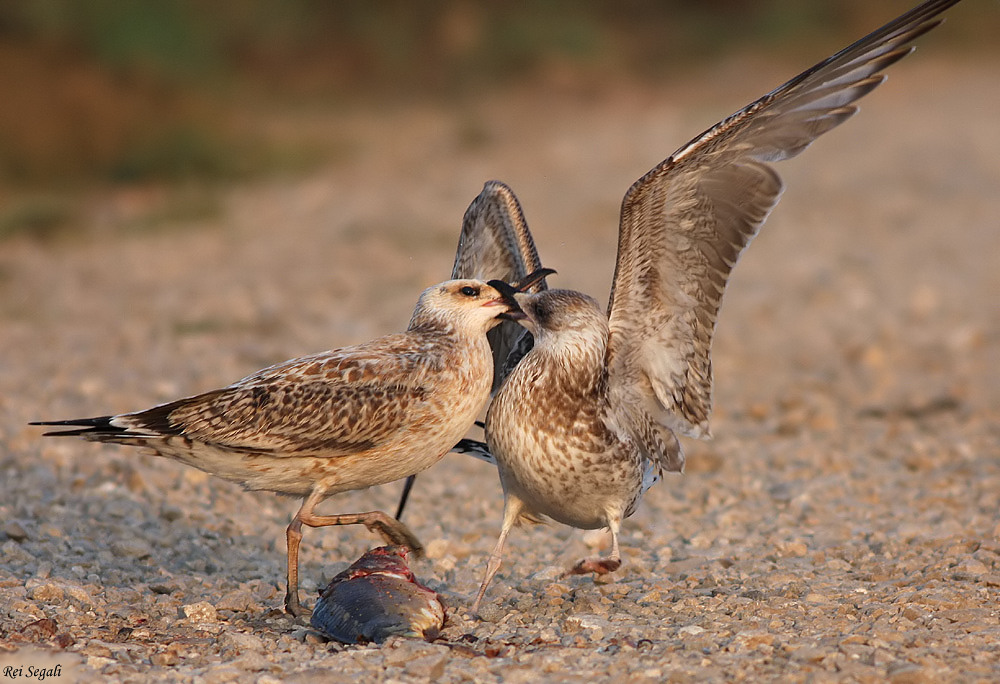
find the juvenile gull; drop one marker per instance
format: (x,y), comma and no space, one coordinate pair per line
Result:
(495,243)
(336,421)
(589,418)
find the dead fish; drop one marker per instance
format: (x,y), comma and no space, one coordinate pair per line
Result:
(378,597)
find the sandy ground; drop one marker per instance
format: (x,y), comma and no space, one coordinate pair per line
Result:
(843,525)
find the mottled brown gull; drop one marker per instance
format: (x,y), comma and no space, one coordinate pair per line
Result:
(588,419)
(337,421)
(495,243)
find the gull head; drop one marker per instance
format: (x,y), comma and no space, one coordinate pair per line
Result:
(470,306)
(561,315)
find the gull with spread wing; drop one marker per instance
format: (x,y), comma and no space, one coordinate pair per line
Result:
(588,419)
(341,420)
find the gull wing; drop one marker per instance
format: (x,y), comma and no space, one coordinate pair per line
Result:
(333,404)
(686,222)
(496,243)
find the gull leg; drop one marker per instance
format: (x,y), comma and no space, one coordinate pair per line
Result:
(601,566)
(404,496)
(293,536)
(511,511)
(391,530)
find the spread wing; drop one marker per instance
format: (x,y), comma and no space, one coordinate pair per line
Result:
(496,243)
(330,405)
(686,222)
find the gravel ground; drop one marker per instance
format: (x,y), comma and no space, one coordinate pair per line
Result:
(842,526)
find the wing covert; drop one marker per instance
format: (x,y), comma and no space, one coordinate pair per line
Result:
(495,243)
(327,405)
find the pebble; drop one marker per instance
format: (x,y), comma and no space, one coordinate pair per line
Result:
(14,530)
(45,592)
(131,548)
(12,553)
(202,611)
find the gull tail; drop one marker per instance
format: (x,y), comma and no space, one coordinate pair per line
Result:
(476,449)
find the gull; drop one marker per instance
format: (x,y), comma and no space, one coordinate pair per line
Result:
(495,243)
(588,419)
(337,421)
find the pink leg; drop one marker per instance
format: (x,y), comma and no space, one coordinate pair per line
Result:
(511,510)
(391,530)
(601,566)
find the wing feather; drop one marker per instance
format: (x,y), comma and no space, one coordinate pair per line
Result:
(495,243)
(330,404)
(686,222)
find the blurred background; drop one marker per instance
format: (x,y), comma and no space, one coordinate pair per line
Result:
(187,97)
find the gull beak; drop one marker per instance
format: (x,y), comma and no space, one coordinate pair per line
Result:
(507,293)
(532,279)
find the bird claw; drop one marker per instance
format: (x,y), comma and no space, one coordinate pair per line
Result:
(598,566)
(397,534)
(294,608)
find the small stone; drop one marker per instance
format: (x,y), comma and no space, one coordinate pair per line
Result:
(15,531)
(239,600)
(97,649)
(77,593)
(754,640)
(491,612)
(548,573)
(428,668)
(202,611)
(96,662)
(131,548)
(972,566)
(691,630)
(556,589)
(240,642)
(252,661)
(838,564)
(795,549)
(808,654)
(13,553)
(165,659)
(908,674)
(46,592)
(400,651)
(226,674)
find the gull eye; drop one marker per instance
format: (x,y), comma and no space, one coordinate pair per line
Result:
(470,291)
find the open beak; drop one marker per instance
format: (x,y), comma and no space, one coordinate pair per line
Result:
(507,293)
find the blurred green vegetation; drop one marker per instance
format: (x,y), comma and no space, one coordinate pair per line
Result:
(138,91)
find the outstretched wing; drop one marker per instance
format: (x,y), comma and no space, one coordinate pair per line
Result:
(686,222)
(496,244)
